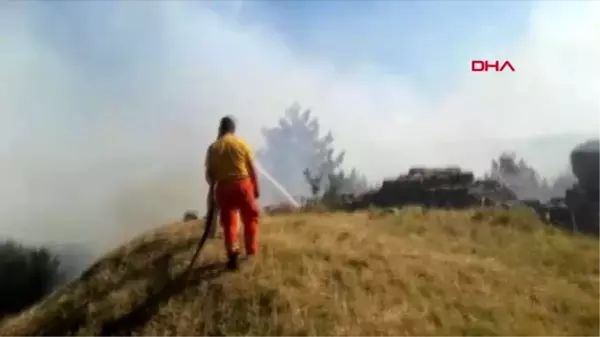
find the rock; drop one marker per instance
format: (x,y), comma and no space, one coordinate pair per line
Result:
(190,216)
(585,164)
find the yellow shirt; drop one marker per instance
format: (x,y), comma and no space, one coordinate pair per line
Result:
(227,158)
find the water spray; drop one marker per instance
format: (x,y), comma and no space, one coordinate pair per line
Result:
(277,185)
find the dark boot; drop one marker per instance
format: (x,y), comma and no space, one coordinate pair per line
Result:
(232,262)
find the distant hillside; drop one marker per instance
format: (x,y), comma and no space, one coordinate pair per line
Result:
(409,272)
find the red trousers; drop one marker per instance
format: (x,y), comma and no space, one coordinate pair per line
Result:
(233,197)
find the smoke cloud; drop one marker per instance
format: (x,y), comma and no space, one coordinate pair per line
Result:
(106,108)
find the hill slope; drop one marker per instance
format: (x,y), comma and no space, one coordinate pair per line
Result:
(412,272)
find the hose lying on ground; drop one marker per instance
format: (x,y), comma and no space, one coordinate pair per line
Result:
(208,229)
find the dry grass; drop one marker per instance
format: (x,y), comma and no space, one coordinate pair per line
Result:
(410,272)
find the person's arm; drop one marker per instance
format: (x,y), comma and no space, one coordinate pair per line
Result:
(210,180)
(252,171)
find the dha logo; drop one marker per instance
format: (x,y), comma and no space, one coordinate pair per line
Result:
(483,65)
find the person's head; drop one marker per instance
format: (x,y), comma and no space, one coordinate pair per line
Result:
(226,125)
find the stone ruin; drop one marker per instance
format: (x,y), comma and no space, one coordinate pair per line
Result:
(449,187)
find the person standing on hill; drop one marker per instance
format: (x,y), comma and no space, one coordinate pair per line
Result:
(230,169)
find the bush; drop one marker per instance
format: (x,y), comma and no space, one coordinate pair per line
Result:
(27,274)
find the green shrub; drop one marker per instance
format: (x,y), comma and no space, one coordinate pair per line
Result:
(27,274)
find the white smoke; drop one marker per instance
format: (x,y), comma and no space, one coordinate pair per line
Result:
(106,108)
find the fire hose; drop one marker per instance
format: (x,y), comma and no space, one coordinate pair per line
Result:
(208,228)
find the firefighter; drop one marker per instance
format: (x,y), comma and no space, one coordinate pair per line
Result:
(230,169)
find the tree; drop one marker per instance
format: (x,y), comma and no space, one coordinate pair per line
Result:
(354,183)
(524,180)
(561,184)
(28,274)
(314,181)
(294,147)
(303,161)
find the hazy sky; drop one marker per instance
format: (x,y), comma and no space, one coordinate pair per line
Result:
(106,107)
(428,42)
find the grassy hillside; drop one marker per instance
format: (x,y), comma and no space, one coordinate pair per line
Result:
(374,273)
